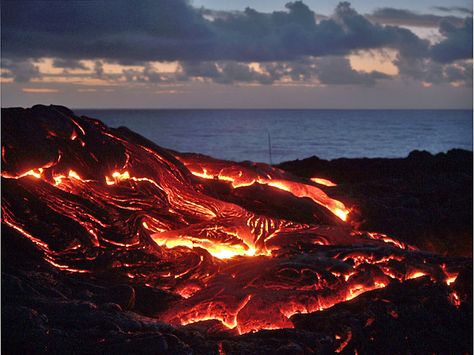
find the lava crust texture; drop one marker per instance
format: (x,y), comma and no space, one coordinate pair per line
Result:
(113,244)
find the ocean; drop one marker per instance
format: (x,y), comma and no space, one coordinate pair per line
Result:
(296,134)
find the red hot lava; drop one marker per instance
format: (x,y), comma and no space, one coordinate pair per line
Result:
(243,243)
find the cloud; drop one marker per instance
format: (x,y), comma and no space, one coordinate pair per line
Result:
(68,64)
(401,17)
(226,72)
(173,30)
(146,75)
(21,70)
(326,70)
(99,69)
(420,69)
(460,73)
(428,71)
(457,43)
(255,36)
(218,46)
(152,75)
(338,71)
(102,29)
(462,10)
(39,90)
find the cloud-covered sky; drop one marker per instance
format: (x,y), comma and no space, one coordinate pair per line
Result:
(173,53)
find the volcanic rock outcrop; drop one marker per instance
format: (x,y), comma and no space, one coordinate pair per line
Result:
(113,244)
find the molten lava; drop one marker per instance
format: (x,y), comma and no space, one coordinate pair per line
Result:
(258,173)
(93,199)
(324,182)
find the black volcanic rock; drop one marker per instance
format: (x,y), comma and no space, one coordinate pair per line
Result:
(374,320)
(106,292)
(423,199)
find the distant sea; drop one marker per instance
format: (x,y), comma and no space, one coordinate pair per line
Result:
(296,134)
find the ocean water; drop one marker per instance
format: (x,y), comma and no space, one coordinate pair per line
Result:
(296,134)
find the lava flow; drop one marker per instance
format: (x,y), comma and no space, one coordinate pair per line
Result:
(243,243)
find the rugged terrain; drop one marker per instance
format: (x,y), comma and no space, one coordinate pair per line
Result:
(112,244)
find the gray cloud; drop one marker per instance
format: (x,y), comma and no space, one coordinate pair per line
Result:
(120,29)
(338,71)
(218,46)
(327,70)
(68,63)
(421,70)
(173,30)
(226,72)
(99,69)
(20,70)
(462,10)
(293,34)
(432,72)
(401,17)
(152,75)
(457,43)
(132,75)
(459,73)
(147,75)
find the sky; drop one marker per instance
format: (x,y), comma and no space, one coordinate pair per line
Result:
(237,54)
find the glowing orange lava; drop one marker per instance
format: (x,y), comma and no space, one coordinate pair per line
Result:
(324,182)
(242,177)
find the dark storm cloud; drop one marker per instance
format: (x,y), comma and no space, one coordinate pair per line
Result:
(120,30)
(294,33)
(457,43)
(125,32)
(295,44)
(401,17)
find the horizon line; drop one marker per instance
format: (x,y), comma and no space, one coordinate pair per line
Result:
(270,108)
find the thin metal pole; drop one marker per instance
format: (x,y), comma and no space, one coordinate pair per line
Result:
(270,148)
